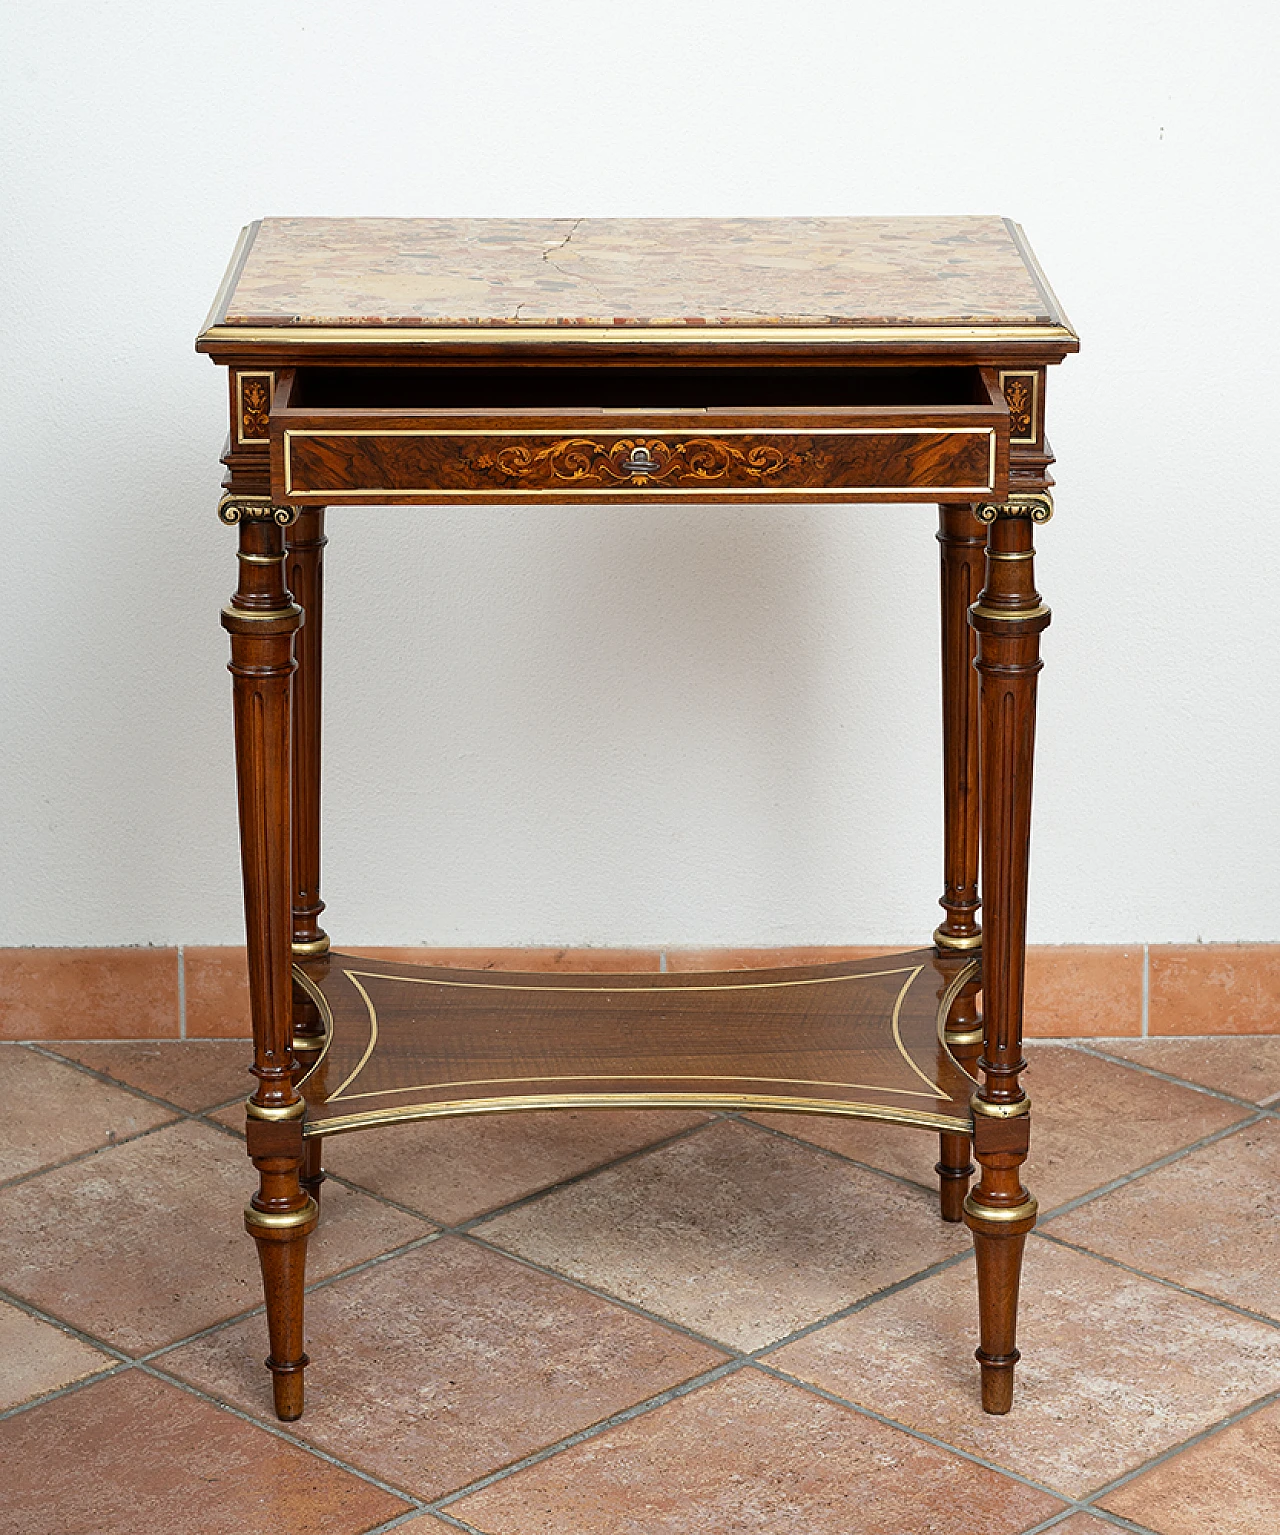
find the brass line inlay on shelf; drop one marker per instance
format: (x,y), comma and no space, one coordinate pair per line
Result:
(911,973)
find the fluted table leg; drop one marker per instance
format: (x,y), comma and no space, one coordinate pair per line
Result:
(262,620)
(962,539)
(1008,619)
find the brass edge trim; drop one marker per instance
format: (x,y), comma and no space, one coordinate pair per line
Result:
(895,1020)
(1025,1211)
(628,335)
(263,615)
(229,278)
(641,1076)
(911,1117)
(281,1220)
(326,1017)
(1032,263)
(944,1008)
(1022,554)
(926,492)
(312,949)
(943,940)
(293,1110)
(1003,615)
(999,1110)
(260,559)
(306,1044)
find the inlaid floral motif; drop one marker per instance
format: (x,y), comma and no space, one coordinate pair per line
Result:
(1018,394)
(255,407)
(638,461)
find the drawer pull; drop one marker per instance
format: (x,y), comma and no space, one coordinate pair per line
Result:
(640,461)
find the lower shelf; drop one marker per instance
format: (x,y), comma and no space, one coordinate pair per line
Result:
(861,1039)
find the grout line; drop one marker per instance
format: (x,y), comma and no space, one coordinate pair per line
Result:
(1146,991)
(634,1307)
(861,1304)
(1160,1279)
(274,1428)
(1090,1047)
(592,1431)
(1177,1449)
(1150,1167)
(85,1156)
(69,1389)
(839,1156)
(915,1433)
(38,1312)
(182,992)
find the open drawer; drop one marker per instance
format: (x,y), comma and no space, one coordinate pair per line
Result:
(546,432)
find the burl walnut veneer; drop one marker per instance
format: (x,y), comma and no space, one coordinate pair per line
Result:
(431,361)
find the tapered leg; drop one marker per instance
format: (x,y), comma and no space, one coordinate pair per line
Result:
(963,1037)
(262,620)
(962,539)
(304,544)
(1008,619)
(304,568)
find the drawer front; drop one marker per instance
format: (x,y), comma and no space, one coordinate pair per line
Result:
(415,463)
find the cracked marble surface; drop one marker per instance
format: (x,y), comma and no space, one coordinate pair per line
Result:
(638,272)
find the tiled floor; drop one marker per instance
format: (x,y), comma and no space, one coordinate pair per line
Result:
(631,1324)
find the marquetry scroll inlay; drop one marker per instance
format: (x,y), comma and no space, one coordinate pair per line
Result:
(233,509)
(1020,396)
(636,461)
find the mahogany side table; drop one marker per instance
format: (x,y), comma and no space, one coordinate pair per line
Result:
(426,362)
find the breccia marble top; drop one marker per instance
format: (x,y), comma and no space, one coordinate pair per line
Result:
(784,272)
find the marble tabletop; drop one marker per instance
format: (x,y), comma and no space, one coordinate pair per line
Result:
(774,272)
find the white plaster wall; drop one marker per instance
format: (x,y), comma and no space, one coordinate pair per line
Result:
(670,726)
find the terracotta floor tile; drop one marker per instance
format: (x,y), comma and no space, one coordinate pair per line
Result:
(132,1454)
(217,993)
(741,1236)
(1083,989)
(193,1073)
(1115,1368)
(1247,1065)
(53,1111)
(1091,1121)
(157,1248)
(750,1455)
(89,993)
(217,986)
(1214,988)
(436,1367)
(39,1358)
(1228,1484)
(452,1169)
(1210,1220)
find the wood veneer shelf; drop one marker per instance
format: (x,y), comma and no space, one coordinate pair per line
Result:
(863,1039)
